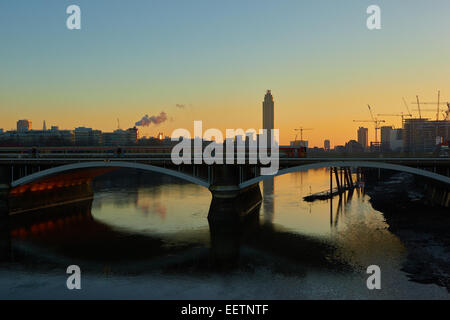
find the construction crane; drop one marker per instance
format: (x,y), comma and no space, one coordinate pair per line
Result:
(409,114)
(427,110)
(433,110)
(301,129)
(406,105)
(418,106)
(447,112)
(375,121)
(401,114)
(438,103)
(437,112)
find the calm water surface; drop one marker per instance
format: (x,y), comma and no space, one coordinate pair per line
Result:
(147,236)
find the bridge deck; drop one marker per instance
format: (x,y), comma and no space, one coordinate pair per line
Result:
(87,157)
(202,174)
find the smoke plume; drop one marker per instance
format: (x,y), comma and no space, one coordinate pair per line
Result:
(146,120)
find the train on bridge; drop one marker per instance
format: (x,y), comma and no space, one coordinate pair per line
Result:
(116,151)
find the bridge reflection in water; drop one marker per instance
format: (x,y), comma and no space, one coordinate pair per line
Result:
(70,231)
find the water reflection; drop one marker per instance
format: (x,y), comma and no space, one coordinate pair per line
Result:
(269,200)
(104,229)
(132,224)
(5,239)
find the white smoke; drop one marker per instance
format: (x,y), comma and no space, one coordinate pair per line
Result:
(146,120)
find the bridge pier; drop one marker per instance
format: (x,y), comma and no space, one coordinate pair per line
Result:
(230,202)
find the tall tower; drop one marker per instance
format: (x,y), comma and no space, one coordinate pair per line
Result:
(44,126)
(268,115)
(268,106)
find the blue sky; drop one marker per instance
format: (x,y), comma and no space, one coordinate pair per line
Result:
(142,57)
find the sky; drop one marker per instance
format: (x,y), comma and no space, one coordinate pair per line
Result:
(214,60)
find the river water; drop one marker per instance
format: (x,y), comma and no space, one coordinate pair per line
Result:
(146,236)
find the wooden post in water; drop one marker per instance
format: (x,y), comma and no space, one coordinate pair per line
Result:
(331,182)
(347,176)
(331,196)
(336,174)
(350,177)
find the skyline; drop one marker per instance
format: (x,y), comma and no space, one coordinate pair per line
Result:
(318,58)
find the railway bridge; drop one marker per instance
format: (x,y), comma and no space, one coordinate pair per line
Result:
(233,186)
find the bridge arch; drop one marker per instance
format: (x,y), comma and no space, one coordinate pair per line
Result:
(361,164)
(104,164)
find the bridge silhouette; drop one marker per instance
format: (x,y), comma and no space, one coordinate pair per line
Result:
(27,170)
(232,185)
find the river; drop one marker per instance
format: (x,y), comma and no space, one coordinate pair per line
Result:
(146,236)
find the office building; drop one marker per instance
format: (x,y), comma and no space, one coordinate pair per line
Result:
(422,135)
(120,137)
(326,145)
(23,125)
(38,138)
(87,137)
(385,133)
(353,147)
(363,137)
(396,140)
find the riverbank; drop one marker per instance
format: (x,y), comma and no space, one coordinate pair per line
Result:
(421,228)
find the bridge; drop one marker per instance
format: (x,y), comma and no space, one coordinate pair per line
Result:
(232,185)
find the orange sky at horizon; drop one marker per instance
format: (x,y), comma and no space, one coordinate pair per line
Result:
(327,105)
(326,117)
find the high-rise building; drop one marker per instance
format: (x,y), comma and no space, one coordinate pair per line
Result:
(422,135)
(44,126)
(396,140)
(363,137)
(386,132)
(326,145)
(268,115)
(23,125)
